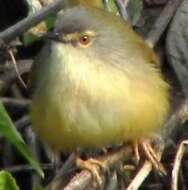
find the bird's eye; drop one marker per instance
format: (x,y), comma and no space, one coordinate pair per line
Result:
(84,40)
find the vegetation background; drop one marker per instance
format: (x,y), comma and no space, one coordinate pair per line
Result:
(20,150)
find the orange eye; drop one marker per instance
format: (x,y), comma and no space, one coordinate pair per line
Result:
(84,40)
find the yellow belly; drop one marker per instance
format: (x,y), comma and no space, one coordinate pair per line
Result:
(108,113)
(79,104)
(71,124)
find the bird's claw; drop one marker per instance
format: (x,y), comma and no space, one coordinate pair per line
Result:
(90,165)
(152,157)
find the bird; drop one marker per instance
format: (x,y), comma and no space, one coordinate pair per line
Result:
(96,83)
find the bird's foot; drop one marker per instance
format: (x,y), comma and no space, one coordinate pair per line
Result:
(152,156)
(136,151)
(94,166)
(150,153)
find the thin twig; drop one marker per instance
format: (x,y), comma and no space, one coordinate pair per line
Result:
(82,179)
(23,67)
(177,118)
(122,9)
(10,76)
(26,168)
(16,68)
(162,22)
(177,164)
(31,140)
(12,32)
(23,122)
(113,182)
(140,176)
(7,159)
(143,172)
(18,103)
(57,181)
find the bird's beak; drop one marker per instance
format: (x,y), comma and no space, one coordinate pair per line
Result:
(55,36)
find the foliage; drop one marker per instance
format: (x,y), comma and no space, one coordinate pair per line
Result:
(7,182)
(8,130)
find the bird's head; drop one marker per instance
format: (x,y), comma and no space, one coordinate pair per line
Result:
(89,30)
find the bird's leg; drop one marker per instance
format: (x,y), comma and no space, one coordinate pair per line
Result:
(90,165)
(94,166)
(152,155)
(136,151)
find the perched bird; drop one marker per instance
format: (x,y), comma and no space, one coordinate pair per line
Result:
(97,83)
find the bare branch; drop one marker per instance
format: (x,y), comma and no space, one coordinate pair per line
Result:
(82,179)
(162,22)
(12,32)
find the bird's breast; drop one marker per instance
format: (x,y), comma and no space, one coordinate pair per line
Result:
(87,104)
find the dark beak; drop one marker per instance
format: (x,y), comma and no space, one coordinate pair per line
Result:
(52,36)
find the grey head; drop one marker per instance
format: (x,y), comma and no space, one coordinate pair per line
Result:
(92,30)
(83,18)
(98,32)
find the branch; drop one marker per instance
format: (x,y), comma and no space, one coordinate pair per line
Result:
(15,102)
(176,119)
(82,179)
(7,78)
(162,22)
(23,122)
(12,32)
(27,168)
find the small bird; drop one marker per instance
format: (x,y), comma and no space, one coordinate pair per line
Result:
(97,83)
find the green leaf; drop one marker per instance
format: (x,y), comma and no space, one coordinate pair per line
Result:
(50,21)
(37,31)
(7,182)
(29,38)
(8,130)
